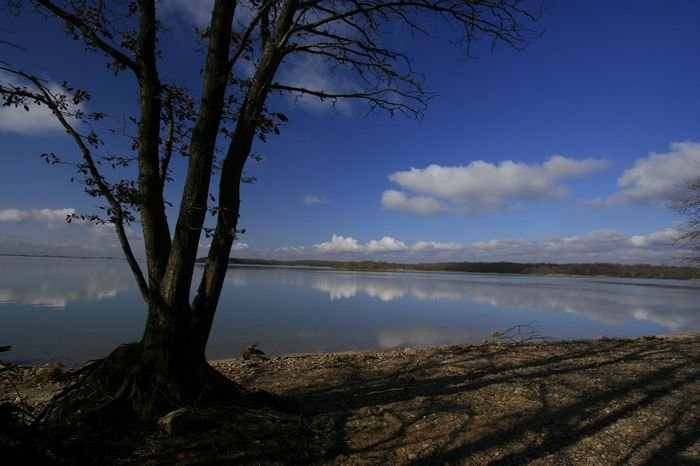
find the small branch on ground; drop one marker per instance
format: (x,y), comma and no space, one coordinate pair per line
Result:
(518,334)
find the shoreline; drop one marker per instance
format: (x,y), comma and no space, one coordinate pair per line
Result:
(74,365)
(360,352)
(597,402)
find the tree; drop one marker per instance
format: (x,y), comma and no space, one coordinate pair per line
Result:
(215,131)
(687,204)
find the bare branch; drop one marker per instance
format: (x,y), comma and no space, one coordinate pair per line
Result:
(245,37)
(688,205)
(90,34)
(412,106)
(46,97)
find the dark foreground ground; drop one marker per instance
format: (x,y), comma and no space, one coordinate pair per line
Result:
(601,402)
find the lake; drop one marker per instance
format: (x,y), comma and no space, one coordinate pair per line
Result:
(73,310)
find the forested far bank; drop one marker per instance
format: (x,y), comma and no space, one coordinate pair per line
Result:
(583,269)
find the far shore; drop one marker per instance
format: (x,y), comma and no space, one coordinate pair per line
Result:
(595,270)
(598,270)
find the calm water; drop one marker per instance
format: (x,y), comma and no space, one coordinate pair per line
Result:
(72,310)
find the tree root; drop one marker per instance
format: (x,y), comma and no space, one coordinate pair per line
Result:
(122,388)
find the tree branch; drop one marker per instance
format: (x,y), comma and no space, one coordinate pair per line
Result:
(90,34)
(193,204)
(376,99)
(156,231)
(245,38)
(47,98)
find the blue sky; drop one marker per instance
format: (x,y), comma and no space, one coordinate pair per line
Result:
(568,151)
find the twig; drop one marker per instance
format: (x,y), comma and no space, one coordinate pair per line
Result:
(519,334)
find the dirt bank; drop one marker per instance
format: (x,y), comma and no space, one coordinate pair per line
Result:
(580,403)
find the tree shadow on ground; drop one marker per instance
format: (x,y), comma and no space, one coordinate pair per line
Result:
(607,402)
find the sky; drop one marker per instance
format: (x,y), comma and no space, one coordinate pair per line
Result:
(568,151)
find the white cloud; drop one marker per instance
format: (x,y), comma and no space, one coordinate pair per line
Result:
(293,249)
(422,205)
(344,244)
(339,244)
(387,243)
(38,120)
(314,200)
(203,248)
(599,246)
(240,246)
(657,178)
(77,239)
(436,246)
(483,186)
(658,238)
(657,247)
(34,215)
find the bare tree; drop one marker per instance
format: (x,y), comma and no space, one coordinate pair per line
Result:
(168,365)
(688,205)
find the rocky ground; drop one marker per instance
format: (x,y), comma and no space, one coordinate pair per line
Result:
(580,403)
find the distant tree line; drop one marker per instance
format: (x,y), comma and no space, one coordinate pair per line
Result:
(583,269)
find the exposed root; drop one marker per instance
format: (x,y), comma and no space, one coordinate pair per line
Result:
(121,388)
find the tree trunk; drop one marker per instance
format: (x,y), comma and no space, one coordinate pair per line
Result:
(166,370)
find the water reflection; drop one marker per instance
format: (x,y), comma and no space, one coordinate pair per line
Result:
(384,287)
(301,310)
(612,304)
(53,284)
(671,304)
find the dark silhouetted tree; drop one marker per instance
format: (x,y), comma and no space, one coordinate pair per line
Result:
(215,131)
(687,204)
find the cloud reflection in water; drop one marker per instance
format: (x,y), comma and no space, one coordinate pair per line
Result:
(53,284)
(671,304)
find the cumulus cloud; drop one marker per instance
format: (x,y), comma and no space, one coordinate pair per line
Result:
(344,244)
(78,239)
(203,248)
(387,243)
(658,238)
(293,249)
(314,200)
(422,205)
(598,246)
(436,246)
(36,121)
(34,215)
(656,247)
(483,186)
(657,178)
(339,244)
